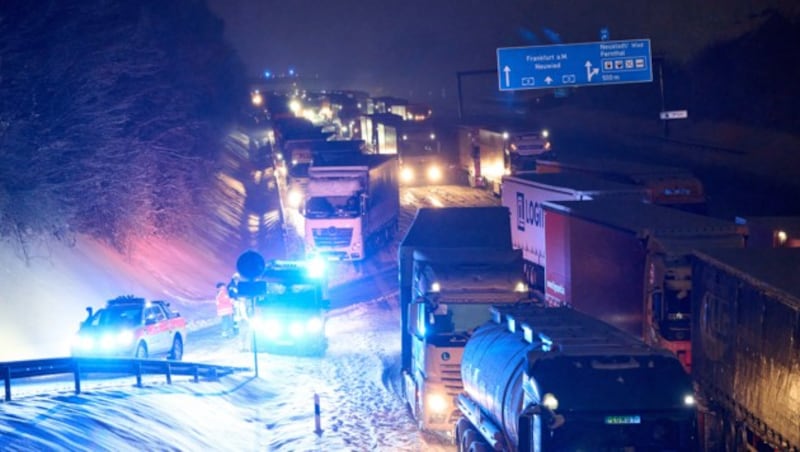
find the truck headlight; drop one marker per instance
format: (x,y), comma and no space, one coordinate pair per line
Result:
(294,198)
(550,401)
(406,174)
(521,287)
(436,403)
(434,173)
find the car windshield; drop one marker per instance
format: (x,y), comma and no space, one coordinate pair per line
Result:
(122,315)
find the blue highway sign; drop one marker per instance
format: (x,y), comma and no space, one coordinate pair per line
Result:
(585,64)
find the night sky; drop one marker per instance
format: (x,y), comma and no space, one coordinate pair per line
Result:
(413,48)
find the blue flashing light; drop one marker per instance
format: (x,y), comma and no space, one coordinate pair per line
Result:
(291,72)
(316,267)
(267,74)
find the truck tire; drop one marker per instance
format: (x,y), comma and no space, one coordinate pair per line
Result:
(461,426)
(467,438)
(141,351)
(479,446)
(176,352)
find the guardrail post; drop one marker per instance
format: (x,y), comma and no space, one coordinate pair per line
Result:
(7,380)
(77,374)
(139,374)
(169,374)
(317,423)
(196,374)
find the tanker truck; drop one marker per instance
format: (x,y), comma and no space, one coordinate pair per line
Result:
(555,379)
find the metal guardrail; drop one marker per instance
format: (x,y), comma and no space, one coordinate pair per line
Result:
(79,367)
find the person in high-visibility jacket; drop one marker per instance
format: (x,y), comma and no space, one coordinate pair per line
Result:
(225,310)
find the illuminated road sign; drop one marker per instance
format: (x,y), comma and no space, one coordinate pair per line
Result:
(586,64)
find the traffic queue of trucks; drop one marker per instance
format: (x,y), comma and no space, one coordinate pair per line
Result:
(628,263)
(453,265)
(683,282)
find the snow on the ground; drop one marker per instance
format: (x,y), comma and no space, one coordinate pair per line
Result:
(356,382)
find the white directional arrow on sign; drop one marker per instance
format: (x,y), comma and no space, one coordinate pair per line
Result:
(589,71)
(507,71)
(548,80)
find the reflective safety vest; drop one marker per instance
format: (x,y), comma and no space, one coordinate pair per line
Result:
(224,302)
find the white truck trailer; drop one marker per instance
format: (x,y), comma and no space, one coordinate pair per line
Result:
(352,205)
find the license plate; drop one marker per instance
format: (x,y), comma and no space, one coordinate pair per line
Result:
(615,420)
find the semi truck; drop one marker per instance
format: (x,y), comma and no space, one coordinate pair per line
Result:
(352,205)
(555,379)
(524,196)
(453,264)
(628,263)
(771,232)
(746,347)
(665,185)
(488,152)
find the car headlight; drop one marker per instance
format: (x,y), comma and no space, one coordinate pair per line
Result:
(271,328)
(436,403)
(108,341)
(688,400)
(545,133)
(314,325)
(434,173)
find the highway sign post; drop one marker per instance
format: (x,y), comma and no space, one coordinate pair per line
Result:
(585,64)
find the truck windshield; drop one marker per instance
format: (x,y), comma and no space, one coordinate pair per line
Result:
(332,207)
(458,317)
(292,295)
(617,384)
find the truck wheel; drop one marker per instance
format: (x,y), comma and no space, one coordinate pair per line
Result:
(141,351)
(467,438)
(461,426)
(479,446)
(176,352)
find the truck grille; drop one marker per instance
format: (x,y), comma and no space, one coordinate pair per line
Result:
(332,237)
(451,377)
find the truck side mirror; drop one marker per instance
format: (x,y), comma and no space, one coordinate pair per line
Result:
(363,204)
(89,312)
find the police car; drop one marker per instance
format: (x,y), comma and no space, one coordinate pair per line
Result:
(133,327)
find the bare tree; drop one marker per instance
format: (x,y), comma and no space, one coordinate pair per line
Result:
(111,115)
